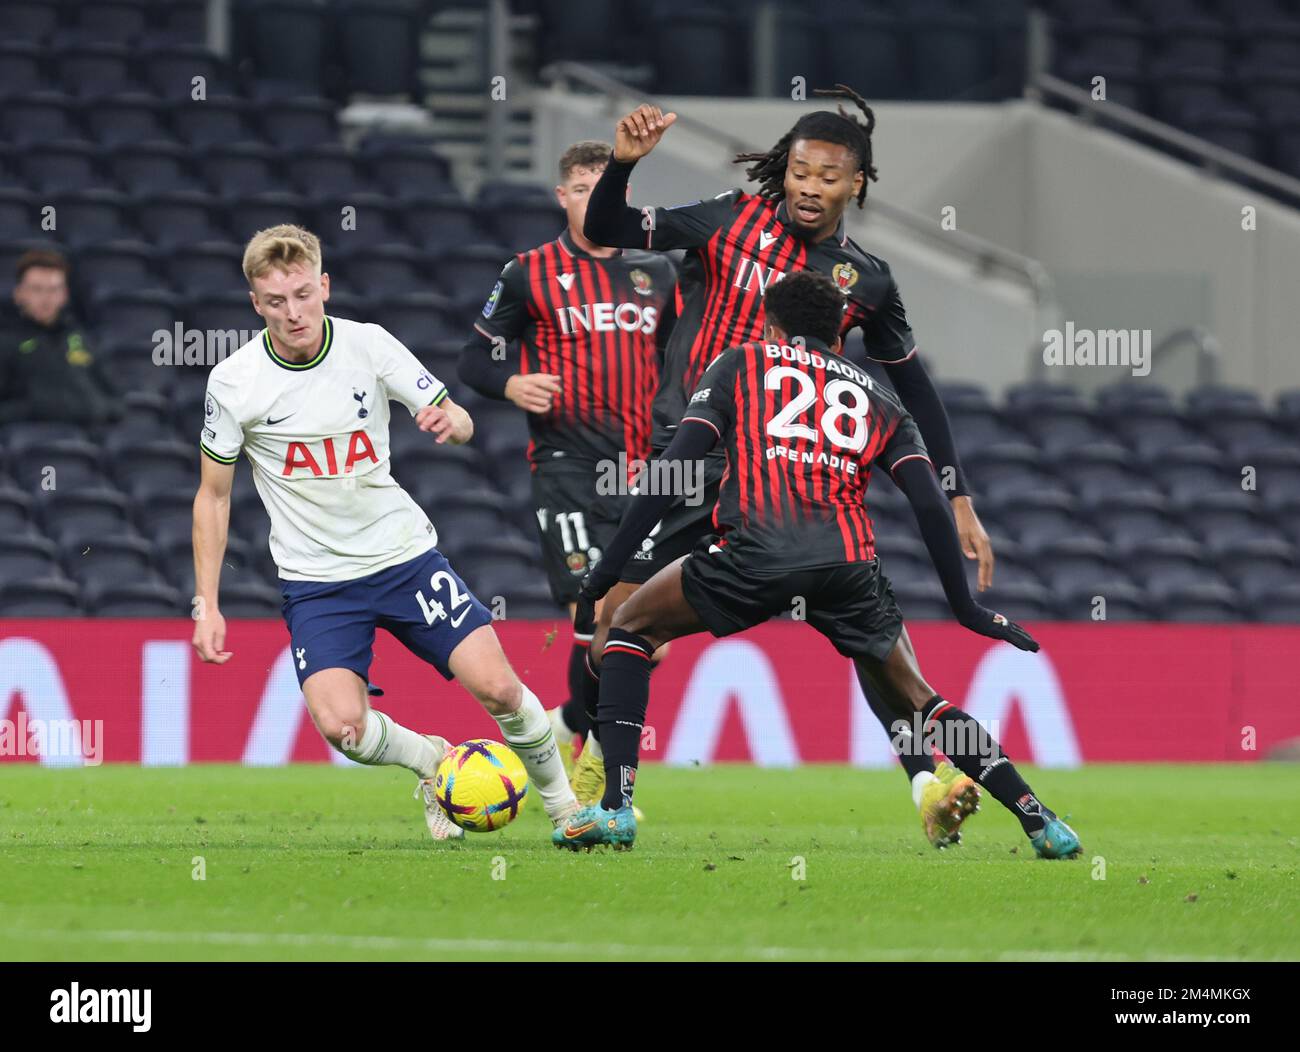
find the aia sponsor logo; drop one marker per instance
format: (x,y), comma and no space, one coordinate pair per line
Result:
(310,456)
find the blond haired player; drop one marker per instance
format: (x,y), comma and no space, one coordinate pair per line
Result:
(307,403)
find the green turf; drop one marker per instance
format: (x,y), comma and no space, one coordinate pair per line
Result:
(311,863)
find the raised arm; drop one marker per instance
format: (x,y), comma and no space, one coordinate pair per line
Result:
(915,477)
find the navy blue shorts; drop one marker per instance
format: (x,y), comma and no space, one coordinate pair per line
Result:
(423,603)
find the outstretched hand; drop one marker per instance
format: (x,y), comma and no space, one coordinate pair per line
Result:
(998,626)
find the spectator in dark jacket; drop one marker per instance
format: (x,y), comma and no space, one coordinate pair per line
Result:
(47,370)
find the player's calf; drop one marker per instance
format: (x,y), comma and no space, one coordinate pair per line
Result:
(481,666)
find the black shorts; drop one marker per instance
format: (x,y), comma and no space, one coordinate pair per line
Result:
(679,531)
(575,524)
(851,603)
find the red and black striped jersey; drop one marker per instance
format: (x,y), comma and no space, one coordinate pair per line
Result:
(592,322)
(802,427)
(744,243)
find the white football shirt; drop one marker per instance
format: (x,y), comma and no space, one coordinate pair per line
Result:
(316,435)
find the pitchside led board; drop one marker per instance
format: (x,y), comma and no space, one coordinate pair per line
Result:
(79,691)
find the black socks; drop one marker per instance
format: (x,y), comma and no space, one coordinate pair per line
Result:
(975,752)
(574,710)
(910,751)
(624,695)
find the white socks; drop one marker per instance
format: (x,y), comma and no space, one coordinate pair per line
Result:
(387,743)
(919,781)
(528,731)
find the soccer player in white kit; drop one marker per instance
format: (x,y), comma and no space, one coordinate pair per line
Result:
(307,403)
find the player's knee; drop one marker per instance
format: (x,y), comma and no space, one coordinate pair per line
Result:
(499,692)
(342,727)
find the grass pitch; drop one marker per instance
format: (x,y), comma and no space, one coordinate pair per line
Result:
(321,863)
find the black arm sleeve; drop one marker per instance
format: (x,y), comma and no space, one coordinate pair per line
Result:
(610,220)
(916,391)
(915,478)
(479,371)
(691,441)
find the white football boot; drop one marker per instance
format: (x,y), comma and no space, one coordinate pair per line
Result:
(440,826)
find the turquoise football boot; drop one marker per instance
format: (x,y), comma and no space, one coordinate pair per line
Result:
(593,826)
(1056,840)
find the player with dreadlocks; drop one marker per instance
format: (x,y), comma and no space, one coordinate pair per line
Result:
(741,244)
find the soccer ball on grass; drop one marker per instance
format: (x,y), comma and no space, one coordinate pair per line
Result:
(481,785)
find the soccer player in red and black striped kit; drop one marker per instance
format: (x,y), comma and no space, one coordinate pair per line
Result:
(743,243)
(801,428)
(589,322)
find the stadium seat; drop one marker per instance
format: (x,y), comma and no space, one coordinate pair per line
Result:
(208,266)
(93,558)
(35,20)
(151,597)
(115,266)
(467,275)
(25,558)
(418,319)
(386,270)
(15,511)
(135,315)
(694,54)
(39,117)
(248,214)
(175,71)
(64,463)
(356,219)
(152,463)
(61,165)
(68,514)
(438,222)
(93,216)
(1279,604)
(20,212)
(325,170)
(20,66)
(1073,563)
(1123,601)
(1200,601)
(119,21)
(270,23)
(408,170)
(866,47)
(496,567)
(378,41)
(250,598)
(181,217)
(522,227)
(44,597)
(227,312)
(1022,601)
(1163,562)
(470,516)
(241,169)
(93,70)
(221,120)
(146,169)
(298,122)
(1133,513)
